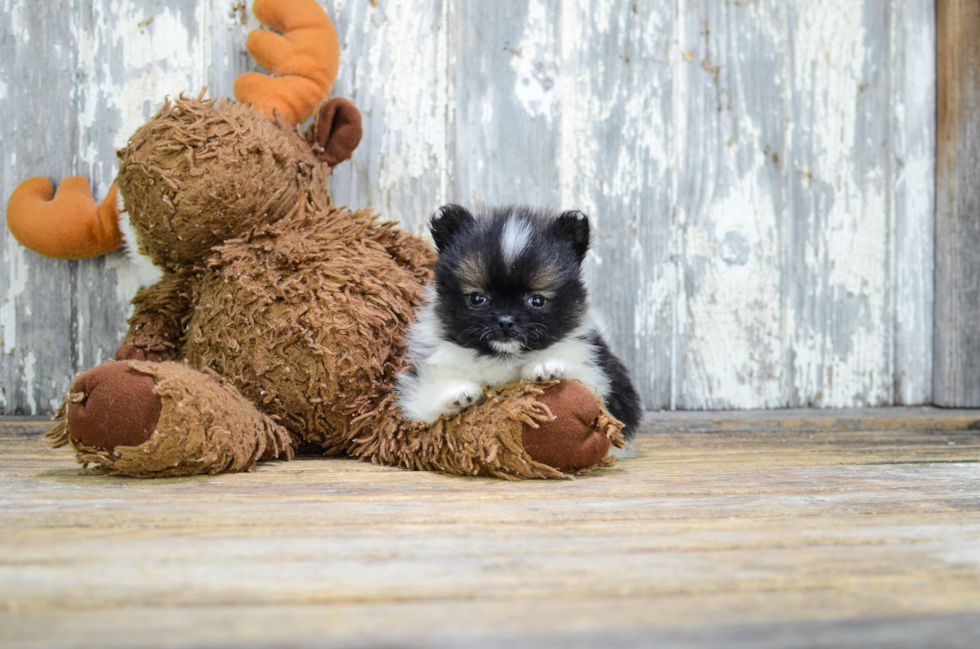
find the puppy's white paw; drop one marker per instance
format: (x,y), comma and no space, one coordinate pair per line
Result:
(459,396)
(550,370)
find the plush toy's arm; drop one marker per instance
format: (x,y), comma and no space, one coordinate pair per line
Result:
(156,329)
(518,431)
(410,251)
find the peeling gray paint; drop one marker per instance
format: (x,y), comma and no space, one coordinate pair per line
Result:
(760,174)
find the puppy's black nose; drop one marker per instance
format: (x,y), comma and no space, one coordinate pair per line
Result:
(506,323)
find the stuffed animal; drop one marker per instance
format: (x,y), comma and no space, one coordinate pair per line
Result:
(277,326)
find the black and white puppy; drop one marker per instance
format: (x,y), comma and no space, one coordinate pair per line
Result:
(508,302)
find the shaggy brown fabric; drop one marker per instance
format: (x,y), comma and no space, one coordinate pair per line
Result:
(113,405)
(300,308)
(132,353)
(201,173)
(156,328)
(566,446)
(314,343)
(204,427)
(483,440)
(337,131)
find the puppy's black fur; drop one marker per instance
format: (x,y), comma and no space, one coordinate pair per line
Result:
(622,401)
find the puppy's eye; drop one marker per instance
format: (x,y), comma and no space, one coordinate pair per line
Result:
(478,299)
(535,301)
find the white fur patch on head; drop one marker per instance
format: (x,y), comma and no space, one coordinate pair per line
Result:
(505,347)
(516,236)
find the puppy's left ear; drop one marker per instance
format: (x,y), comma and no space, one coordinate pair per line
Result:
(573,226)
(337,130)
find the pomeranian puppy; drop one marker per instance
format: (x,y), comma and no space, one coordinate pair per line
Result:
(508,302)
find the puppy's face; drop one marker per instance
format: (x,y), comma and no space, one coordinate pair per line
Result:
(509,281)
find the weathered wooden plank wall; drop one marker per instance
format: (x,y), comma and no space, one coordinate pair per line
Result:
(761,173)
(957,343)
(39,51)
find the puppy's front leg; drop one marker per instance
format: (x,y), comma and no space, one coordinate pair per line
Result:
(547,370)
(458,395)
(429,400)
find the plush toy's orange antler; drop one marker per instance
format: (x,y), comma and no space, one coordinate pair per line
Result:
(303,60)
(69,226)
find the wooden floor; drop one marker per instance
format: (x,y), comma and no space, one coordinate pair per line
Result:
(758,530)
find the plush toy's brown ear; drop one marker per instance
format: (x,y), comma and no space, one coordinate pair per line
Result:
(337,130)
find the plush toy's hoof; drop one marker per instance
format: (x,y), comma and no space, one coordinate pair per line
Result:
(113,405)
(573,441)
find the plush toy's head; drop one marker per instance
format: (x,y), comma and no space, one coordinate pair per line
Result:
(200,172)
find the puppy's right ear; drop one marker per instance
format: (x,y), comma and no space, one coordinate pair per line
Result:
(447,223)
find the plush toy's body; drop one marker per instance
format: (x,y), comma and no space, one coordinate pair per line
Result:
(279,321)
(300,304)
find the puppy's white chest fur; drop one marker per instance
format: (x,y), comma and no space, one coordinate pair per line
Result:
(449,378)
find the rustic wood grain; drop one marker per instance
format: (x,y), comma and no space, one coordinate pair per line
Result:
(759,173)
(394,67)
(957,340)
(38,56)
(507,143)
(731,205)
(839,306)
(919,419)
(795,530)
(616,155)
(227,25)
(912,137)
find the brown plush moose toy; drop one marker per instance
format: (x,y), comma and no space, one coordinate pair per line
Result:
(278,324)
